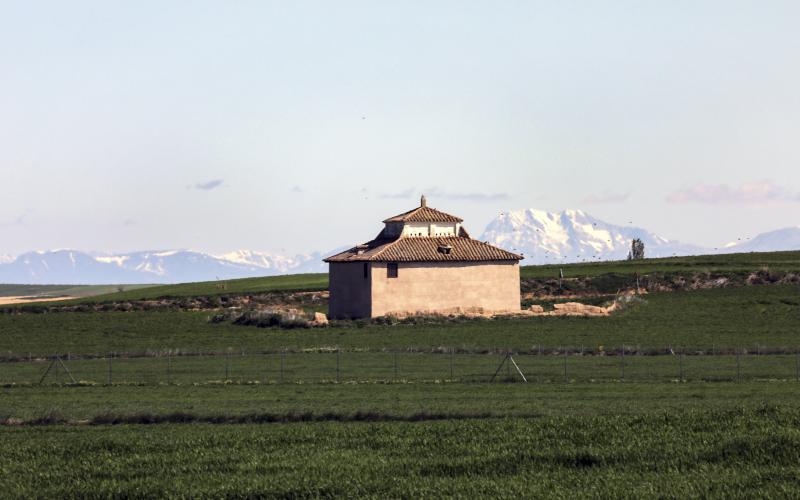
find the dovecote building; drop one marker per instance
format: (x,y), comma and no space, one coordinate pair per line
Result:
(423,261)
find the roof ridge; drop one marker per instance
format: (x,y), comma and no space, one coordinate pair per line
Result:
(386,247)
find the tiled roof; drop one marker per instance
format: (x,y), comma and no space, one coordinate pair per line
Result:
(424,214)
(424,249)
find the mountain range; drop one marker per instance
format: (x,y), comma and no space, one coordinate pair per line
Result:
(541,237)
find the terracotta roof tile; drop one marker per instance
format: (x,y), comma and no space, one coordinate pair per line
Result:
(424,214)
(424,249)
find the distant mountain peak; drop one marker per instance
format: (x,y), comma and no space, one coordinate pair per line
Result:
(572,235)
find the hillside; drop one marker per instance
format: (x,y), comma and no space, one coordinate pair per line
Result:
(728,263)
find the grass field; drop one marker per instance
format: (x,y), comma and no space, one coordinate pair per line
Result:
(727,318)
(738,453)
(406,417)
(731,263)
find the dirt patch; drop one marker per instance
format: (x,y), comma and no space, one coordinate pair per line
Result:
(4,301)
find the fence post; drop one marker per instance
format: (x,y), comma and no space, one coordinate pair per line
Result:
(227,362)
(169,367)
(395,366)
(565,365)
(680,362)
(338,361)
(108,379)
(283,355)
(622,362)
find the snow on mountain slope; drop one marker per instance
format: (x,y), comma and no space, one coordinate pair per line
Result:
(163,266)
(782,239)
(573,236)
(5,258)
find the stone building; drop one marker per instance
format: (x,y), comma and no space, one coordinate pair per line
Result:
(423,261)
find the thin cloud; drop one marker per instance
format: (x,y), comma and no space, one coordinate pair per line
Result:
(16,221)
(606,197)
(438,193)
(750,193)
(208,186)
(408,193)
(297,189)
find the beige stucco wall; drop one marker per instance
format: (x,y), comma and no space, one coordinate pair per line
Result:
(445,287)
(349,290)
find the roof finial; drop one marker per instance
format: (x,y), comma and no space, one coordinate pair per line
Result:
(423,202)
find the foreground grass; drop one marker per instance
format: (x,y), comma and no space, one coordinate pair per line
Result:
(737,454)
(393,367)
(402,400)
(726,318)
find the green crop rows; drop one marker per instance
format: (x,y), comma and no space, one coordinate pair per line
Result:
(733,454)
(401,366)
(728,318)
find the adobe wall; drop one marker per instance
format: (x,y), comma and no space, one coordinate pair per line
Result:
(349,290)
(446,287)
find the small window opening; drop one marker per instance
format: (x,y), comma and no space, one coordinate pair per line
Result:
(445,249)
(391,270)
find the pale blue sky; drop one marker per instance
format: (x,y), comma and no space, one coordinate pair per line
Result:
(298,126)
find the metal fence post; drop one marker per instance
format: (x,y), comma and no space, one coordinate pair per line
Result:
(338,363)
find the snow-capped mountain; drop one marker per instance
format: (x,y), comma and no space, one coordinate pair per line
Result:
(172,266)
(573,236)
(5,258)
(782,239)
(542,237)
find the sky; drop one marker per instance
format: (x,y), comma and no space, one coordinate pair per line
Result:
(298,126)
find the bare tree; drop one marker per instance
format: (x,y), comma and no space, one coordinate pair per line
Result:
(637,250)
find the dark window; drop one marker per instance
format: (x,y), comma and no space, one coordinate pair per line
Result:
(366,270)
(391,270)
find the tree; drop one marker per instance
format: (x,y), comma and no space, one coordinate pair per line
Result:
(637,250)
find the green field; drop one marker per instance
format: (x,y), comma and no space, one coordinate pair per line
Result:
(726,318)
(734,454)
(703,402)
(730,263)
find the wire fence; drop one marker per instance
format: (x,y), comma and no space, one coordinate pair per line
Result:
(543,365)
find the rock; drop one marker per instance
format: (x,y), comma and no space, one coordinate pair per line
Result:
(320,319)
(537,308)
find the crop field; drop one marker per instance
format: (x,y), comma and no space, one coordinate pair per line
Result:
(686,393)
(734,454)
(730,263)
(726,319)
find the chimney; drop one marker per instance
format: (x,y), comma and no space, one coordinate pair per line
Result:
(423,202)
